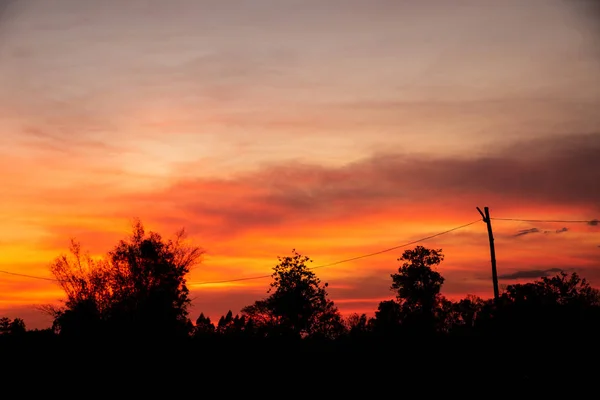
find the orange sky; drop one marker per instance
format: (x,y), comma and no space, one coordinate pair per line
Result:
(335,128)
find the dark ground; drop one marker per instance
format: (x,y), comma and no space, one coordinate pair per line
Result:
(470,367)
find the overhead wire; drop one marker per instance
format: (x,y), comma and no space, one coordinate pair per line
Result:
(269,275)
(592,222)
(28,276)
(348,259)
(589,222)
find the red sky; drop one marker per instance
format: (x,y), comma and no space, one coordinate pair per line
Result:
(335,128)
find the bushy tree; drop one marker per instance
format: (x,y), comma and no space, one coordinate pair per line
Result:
(13,327)
(139,288)
(463,315)
(298,304)
(417,286)
(388,318)
(561,289)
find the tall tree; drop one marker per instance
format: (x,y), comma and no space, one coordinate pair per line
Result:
(418,286)
(298,304)
(150,280)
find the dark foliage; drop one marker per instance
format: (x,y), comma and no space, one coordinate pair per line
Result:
(138,290)
(128,313)
(298,306)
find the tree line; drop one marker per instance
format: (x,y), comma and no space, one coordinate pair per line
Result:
(139,290)
(137,294)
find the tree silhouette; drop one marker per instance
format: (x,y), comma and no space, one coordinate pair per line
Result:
(204,326)
(88,288)
(233,326)
(225,322)
(139,288)
(5,325)
(388,318)
(418,286)
(127,292)
(462,315)
(298,305)
(357,325)
(559,306)
(14,327)
(560,289)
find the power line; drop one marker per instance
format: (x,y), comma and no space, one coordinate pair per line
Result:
(232,280)
(400,246)
(28,276)
(593,222)
(590,222)
(348,259)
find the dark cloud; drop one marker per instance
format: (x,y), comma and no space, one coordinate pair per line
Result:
(529,274)
(560,172)
(527,231)
(564,171)
(589,13)
(524,232)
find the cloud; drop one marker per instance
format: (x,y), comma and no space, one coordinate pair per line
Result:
(524,232)
(67,141)
(562,173)
(529,274)
(337,212)
(527,231)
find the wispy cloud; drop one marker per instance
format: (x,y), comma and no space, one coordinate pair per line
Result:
(527,232)
(524,232)
(529,274)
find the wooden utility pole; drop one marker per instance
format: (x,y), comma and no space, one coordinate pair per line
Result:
(487,220)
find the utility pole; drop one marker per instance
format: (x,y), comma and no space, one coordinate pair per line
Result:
(487,220)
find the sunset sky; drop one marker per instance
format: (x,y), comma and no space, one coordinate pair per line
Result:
(338,128)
